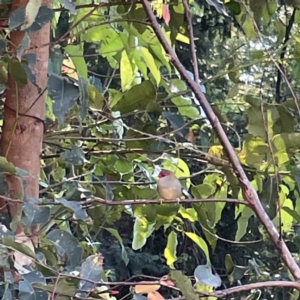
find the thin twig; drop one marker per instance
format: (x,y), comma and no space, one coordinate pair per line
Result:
(251,286)
(191,36)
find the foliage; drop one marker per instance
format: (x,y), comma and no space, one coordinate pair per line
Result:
(116,110)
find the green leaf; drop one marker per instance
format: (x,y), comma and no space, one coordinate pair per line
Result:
(64,95)
(184,284)
(170,250)
(75,156)
(78,212)
(66,246)
(9,241)
(116,234)
(242,223)
(203,190)
(95,96)
(138,97)
(234,7)
(203,274)
(159,52)
(112,44)
(150,63)
(123,166)
(186,108)
(141,231)
(96,34)
(7,166)
(26,290)
(91,269)
(188,213)
(255,150)
(76,54)
(18,72)
(63,287)
(128,71)
(201,243)
(297,52)
(287,205)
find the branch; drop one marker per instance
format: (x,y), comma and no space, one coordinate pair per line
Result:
(191,36)
(248,191)
(282,54)
(247,287)
(158,201)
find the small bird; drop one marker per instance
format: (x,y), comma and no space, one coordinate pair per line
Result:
(168,185)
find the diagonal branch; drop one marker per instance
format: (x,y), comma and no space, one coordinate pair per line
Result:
(248,191)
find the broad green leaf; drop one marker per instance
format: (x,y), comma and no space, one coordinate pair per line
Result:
(91,269)
(203,190)
(17,18)
(63,287)
(285,145)
(286,218)
(3,72)
(246,213)
(286,204)
(75,156)
(67,247)
(9,241)
(140,63)
(179,8)
(184,284)
(25,290)
(159,52)
(246,23)
(268,10)
(96,34)
(128,71)
(123,166)
(150,62)
(18,72)
(201,243)
(203,274)
(83,104)
(146,211)
(95,96)
(112,44)
(234,7)
(183,38)
(64,95)
(188,213)
(256,124)
(254,149)
(141,231)
(186,108)
(138,97)
(76,53)
(7,166)
(170,250)
(297,52)
(78,212)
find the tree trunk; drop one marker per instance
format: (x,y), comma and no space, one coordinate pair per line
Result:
(23,125)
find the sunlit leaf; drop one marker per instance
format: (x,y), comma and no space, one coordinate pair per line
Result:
(201,243)
(170,250)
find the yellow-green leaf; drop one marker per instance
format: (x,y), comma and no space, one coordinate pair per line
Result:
(170,250)
(201,243)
